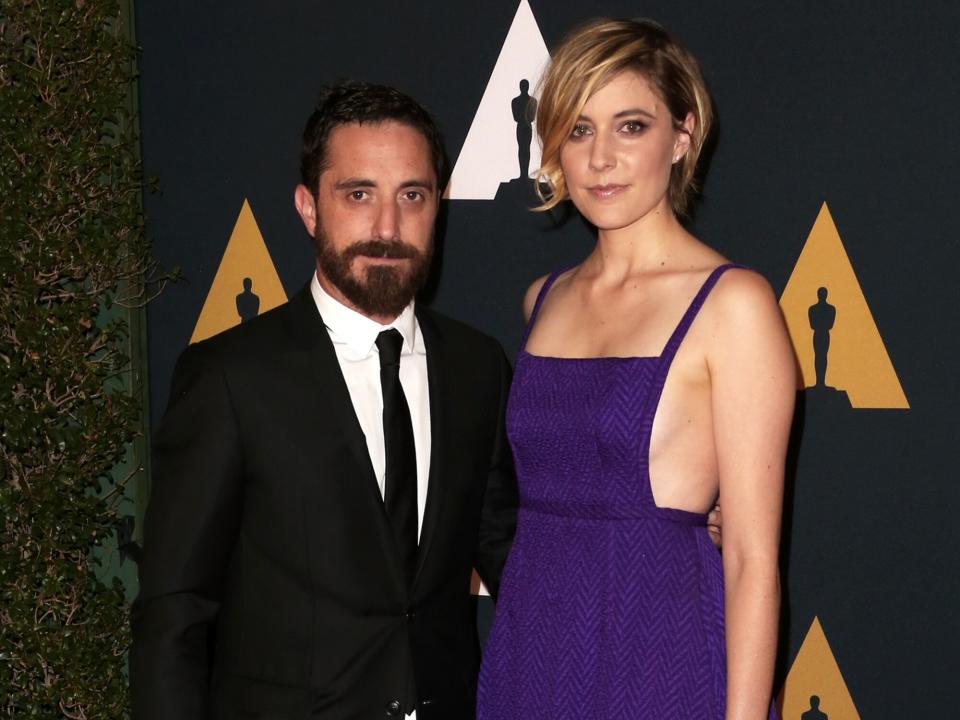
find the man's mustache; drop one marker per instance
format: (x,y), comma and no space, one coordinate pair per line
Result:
(381,249)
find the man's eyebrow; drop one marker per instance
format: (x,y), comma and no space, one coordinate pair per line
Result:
(350,183)
(416,182)
(354,183)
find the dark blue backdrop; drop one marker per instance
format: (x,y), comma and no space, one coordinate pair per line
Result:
(853,103)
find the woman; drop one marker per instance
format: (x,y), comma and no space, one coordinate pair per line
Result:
(652,378)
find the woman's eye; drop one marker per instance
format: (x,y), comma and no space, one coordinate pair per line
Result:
(632,127)
(579,130)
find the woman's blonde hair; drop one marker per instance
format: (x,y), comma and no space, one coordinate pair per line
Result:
(589,57)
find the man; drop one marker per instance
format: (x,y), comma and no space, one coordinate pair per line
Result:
(316,511)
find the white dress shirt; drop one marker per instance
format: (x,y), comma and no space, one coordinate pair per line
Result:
(354,337)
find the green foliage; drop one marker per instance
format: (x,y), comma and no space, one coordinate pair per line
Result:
(72,249)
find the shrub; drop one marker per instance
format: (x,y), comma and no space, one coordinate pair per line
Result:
(73,255)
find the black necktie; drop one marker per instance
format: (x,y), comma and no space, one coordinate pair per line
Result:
(400,483)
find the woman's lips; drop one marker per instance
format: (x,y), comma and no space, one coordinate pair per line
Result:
(604,192)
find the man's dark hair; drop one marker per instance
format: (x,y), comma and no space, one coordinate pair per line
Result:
(350,101)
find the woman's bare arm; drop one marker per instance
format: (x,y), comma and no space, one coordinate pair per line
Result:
(753,388)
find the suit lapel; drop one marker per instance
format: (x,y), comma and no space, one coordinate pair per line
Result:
(308,328)
(311,334)
(330,381)
(439,392)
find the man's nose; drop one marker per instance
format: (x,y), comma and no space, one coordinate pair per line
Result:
(387,223)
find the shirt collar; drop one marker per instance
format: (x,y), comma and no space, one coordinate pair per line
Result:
(358,332)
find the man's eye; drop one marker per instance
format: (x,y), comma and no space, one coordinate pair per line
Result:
(413,195)
(358,194)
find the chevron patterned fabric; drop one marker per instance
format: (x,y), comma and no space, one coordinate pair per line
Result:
(610,607)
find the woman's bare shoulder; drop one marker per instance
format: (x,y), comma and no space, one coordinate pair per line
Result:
(743,293)
(746,314)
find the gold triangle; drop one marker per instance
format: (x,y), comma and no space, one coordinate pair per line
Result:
(815,689)
(857,359)
(245,259)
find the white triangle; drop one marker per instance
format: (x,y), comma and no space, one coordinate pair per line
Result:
(489,154)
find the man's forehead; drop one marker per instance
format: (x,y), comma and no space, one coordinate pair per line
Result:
(358,136)
(375,148)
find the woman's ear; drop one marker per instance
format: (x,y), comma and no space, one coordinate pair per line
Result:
(684,136)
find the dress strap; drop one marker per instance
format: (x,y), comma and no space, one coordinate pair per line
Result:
(664,362)
(690,315)
(544,289)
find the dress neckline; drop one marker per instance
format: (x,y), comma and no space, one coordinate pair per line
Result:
(624,358)
(673,341)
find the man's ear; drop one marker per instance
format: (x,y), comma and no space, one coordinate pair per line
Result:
(307,208)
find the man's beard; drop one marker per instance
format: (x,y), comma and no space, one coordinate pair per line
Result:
(378,290)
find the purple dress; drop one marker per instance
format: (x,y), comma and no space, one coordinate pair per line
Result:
(610,607)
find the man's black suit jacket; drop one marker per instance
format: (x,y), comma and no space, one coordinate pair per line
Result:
(270,587)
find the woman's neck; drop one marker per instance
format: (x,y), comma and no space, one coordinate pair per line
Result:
(651,243)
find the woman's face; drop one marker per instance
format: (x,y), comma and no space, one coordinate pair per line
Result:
(617,160)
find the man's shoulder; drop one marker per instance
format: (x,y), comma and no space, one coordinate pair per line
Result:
(263,334)
(453,332)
